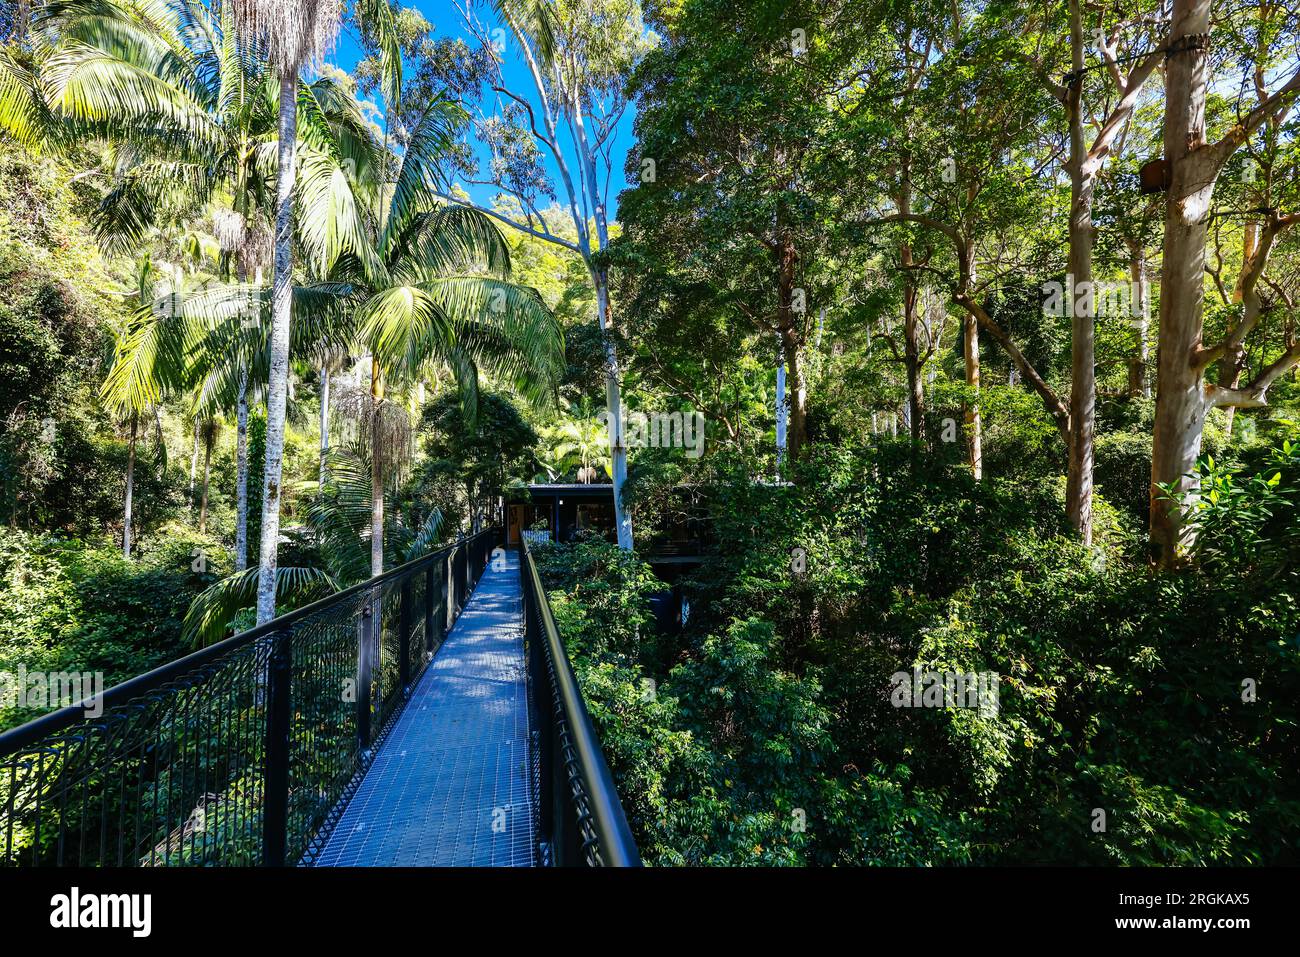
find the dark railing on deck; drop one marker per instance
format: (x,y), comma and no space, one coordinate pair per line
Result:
(241,753)
(580,818)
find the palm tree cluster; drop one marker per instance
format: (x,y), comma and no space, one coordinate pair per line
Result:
(270,226)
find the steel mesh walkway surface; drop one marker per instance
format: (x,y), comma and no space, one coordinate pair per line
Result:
(451,784)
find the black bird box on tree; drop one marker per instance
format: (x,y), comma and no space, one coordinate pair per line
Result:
(1154,176)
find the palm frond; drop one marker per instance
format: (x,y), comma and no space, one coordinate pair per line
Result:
(418,177)
(535,20)
(403,326)
(426,537)
(24,114)
(101,95)
(450,239)
(214,610)
(379,24)
(505,328)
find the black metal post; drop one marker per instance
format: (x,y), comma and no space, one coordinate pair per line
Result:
(275,815)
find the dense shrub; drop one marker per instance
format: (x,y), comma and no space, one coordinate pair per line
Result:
(765,732)
(70,606)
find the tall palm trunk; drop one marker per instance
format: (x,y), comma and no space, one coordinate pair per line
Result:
(194,465)
(207,475)
(278,379)
(376,471)
(241,475)
(324,420)
(130,488)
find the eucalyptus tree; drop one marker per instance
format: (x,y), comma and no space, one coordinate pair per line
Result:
(1195,162)
(1258,201)
(739,172)
(936,141)
(576,55)
(1098,100)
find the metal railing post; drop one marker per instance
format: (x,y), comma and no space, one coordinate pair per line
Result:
(449,590)
(275,813)
(460,577)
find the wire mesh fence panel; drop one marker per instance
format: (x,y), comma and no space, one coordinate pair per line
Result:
(388,685)
(170,777)
(324,753)
(415,643)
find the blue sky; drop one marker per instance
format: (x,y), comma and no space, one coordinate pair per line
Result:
(447,22)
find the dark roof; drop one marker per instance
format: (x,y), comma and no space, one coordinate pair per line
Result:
(572,487)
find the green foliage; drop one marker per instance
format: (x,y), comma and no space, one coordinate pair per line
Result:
(69,606)
(1244,520)
(774,706)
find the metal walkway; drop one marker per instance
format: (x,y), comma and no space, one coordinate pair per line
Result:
(451,784)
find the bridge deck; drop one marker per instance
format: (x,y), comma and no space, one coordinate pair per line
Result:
(451,784)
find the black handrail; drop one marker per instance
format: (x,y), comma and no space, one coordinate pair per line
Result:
(240,753)
(580,817)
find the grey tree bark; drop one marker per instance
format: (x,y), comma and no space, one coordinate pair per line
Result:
(278,378)
(130,488)
(241,475)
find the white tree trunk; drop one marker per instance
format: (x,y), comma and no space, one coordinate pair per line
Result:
(1139,383)
(207,477)
(278,378)
(1083,342)
(194,465)
(130,490)
(324,420)
(974,426)
(1181,403)
(241,475)
(376,472)
(782,415)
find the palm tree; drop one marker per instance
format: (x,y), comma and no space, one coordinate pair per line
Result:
(431,288)
(193,122)
(293,35)
(145,366)
(587,440)
(340,521)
